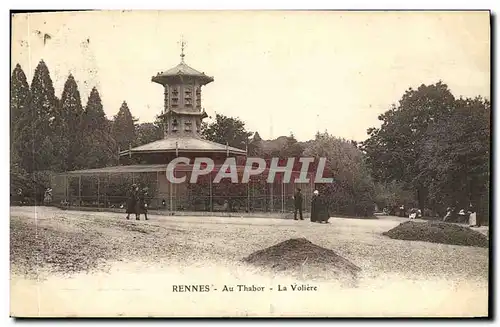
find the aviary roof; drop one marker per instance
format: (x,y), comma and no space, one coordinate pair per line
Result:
(184,144)
(156,168)
(182,69)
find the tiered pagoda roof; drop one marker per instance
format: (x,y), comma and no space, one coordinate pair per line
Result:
(179,71)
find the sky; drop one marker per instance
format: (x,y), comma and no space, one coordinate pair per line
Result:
(280,72)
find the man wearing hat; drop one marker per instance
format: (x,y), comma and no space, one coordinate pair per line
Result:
(297,201)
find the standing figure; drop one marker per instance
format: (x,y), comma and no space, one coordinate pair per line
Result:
(463,217)
(448,214)
(132,201)
(413,213)
(297,199)
(319,210)
(47,197)
(141,205)
(315,206)
(402,211)
(472,216)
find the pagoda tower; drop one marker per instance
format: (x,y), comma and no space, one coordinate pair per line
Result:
(182,113)
(182,116)
(147,164)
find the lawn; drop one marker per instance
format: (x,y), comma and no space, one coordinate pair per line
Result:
(128,267)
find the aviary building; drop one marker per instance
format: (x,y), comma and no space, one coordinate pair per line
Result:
(146,165)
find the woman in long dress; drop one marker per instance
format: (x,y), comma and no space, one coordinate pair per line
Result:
(314,207)
(319,210)
(472,217)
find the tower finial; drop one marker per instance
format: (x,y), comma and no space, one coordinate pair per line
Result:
(183,45)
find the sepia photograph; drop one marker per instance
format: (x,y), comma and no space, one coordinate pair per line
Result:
(307,163)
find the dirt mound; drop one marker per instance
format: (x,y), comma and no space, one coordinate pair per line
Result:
(437,232)
(296,253)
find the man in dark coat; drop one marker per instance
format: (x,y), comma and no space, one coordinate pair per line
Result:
(141,205)
(132,201)
(297,200)
(319,210)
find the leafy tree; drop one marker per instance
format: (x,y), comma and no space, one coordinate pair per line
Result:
(227,129)
(352,191)
(455,158)
(394,149)
(148,132)
(123,128)
(393,194)
(292,148)
(436,146)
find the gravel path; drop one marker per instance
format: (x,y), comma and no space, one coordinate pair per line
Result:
(70,241)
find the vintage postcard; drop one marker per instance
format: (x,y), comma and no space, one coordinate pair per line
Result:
(250,164)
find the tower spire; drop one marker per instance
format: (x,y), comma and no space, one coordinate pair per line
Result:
(183,45)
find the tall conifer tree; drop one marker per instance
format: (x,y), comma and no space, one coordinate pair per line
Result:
(19,110)
(71,126)
(35,144)
(123,130)
(98,145)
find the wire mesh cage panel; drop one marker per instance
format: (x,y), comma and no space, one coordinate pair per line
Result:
(110,190)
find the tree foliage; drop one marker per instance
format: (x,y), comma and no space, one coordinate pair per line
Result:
(455,161)
(434,145)
(20,113)
(255,147)
(149,132)
(393,194)
(291,149)
(94,118)
(352,191)
(431,148)
(393,149)
(34,132)
(71,126)
(227,129)
(123,128)
(99,148)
